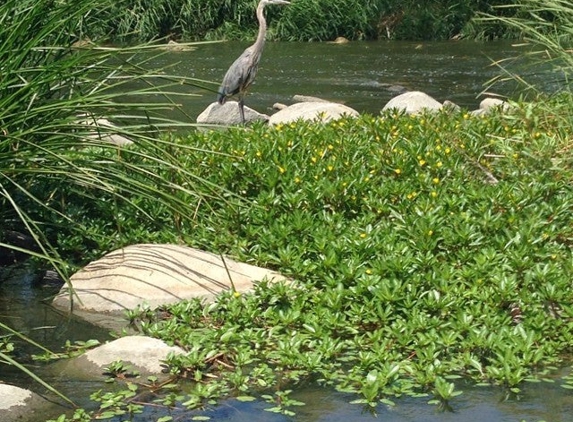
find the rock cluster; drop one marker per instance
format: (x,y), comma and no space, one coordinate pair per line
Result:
(317,109)
(149,275)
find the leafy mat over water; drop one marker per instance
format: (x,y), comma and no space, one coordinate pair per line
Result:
(421,249)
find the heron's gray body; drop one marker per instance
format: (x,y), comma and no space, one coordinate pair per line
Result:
(240,75)
(242,72)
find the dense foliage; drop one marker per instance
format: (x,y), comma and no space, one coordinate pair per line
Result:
(303,20)
(422,248)
(53,95)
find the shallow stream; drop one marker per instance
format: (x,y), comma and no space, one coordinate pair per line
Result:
(357,74)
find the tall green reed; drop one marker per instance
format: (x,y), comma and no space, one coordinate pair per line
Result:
(56,97)
(546,32)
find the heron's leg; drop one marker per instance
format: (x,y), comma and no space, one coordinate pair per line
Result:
(241,109)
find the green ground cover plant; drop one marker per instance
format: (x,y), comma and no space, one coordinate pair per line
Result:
(422,249)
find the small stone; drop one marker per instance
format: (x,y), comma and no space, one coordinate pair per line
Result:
(321,110)
(413,102)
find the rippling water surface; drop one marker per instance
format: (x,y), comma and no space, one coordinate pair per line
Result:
(358,73)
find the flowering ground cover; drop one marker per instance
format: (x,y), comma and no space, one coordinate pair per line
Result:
(422,249)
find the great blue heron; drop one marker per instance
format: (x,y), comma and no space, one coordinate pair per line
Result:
(242,72)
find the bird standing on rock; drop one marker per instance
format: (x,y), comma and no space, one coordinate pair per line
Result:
(242,72)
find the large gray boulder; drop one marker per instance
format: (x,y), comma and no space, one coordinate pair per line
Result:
(413,102)
(315,110)
(153,275)
(19,404)
(228,114)
(144,355)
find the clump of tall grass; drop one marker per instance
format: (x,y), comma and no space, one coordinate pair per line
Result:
(304,20)
(56,87)
(546,32)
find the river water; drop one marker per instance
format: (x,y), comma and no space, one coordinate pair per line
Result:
(356,74)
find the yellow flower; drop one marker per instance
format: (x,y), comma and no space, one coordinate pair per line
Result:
(435,180)
(448,150)
(297,180)
(313,159)
(363,235)
(439,164)
(433,194)
(368,271)
(430,232)
(422,163)
(236,294)
(330,168)
(281,170)
(397,171)
(330,147)
(259,153)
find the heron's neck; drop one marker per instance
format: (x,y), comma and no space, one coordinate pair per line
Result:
(262,26)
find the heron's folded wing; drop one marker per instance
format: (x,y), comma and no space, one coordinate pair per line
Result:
(239,76)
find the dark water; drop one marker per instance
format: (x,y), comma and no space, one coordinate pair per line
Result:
(356,73)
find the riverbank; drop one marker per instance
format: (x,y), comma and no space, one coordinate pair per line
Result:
(303,20)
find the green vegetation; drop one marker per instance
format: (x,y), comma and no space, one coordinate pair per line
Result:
(303,20)
(410,262)
(53,94)
(422,249)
